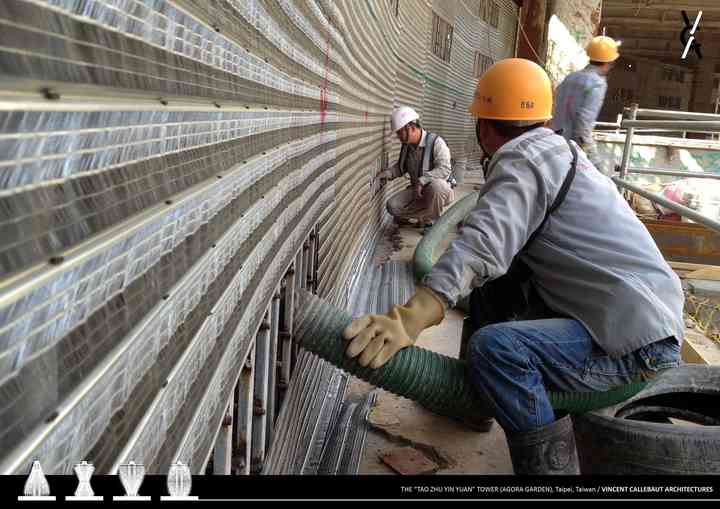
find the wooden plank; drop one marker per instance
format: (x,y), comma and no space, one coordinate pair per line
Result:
(689,266)
(699,349)
(707,273)
(685,242)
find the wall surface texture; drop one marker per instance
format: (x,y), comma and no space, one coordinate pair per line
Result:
(571,26)
(161,164)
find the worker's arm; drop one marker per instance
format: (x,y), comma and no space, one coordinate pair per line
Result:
(442,169)
(588,111)
(391,173)
(511,206)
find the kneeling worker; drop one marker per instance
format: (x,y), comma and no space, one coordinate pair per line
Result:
(569,290)
(425,157)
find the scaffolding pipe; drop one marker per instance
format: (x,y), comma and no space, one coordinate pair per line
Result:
(673,173)
(676,207)
(260,396)
(286,330)
(244,420)
(676,115)
(627,148)
(273,366)
(680,125)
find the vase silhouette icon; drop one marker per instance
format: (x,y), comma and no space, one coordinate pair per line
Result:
(131,476)
(179,482)
(84,472)
(36,486)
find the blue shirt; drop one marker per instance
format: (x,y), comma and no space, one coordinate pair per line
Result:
(578,101)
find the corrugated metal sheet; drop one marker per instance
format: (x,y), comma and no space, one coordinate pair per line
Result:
(161,165)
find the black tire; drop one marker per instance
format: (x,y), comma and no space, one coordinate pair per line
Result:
(631,438)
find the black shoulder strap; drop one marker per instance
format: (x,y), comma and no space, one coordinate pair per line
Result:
(560,196)
(430,140)
(401,158)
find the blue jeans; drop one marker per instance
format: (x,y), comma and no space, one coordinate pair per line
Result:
(516,363)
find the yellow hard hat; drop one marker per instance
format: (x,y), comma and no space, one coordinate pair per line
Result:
(513,89)
(603,49)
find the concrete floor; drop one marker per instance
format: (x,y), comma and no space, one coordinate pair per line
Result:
(396,422)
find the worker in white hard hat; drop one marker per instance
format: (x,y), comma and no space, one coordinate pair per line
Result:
(568,290)
(425,158)
(579,98)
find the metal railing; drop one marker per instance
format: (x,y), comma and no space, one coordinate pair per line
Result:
(657,126)
(678,121)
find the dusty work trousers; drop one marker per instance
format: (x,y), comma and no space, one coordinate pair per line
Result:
(436,196)
(516,362)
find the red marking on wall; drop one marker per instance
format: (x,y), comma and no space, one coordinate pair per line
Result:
(324,85)
(365,116)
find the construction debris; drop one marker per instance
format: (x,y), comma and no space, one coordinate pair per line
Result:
(409,461)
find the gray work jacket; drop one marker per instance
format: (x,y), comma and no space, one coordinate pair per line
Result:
(593,261)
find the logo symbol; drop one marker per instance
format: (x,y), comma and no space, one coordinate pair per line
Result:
(690,43)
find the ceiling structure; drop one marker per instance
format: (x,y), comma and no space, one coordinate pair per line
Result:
(652,28)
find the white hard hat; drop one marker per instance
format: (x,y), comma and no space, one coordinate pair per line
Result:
(402,116)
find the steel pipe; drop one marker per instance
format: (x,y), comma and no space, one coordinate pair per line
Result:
(244,421)
(673,173)
(627,148)
(260,403)
(661,200)
(679,115)
(680,125)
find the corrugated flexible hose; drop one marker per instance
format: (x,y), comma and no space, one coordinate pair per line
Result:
(436,381)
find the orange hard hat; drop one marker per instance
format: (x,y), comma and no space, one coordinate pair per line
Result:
(513,89)
(603,49)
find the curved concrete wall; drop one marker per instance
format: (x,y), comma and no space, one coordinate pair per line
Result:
(161,164)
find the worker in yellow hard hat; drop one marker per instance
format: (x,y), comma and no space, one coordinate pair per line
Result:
(568,290)
(579,98)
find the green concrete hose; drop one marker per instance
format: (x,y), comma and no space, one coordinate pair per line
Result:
(423,258)
(436,381)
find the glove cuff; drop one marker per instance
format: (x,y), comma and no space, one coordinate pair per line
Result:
(423,310)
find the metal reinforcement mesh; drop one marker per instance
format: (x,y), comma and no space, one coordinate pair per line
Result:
(161,164)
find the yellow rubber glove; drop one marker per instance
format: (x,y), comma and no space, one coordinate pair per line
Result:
(379,337)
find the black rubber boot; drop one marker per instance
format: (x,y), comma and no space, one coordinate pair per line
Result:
(549,450)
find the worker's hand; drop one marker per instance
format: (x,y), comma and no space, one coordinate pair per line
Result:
(378,337)
(419,190)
